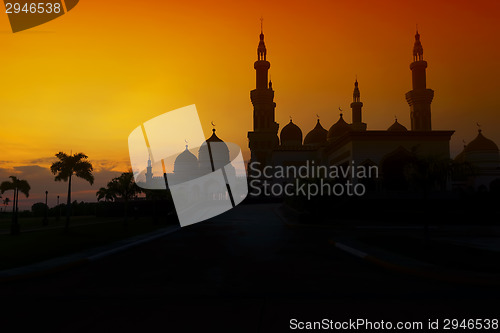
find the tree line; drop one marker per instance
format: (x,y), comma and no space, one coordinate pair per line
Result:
(68,166)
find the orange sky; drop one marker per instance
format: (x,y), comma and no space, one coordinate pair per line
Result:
(85,80)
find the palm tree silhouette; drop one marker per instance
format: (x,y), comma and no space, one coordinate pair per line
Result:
(6,203)
(65,168)
(105,193)
(122,187)
(16,185)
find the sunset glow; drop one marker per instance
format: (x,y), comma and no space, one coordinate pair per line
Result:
(84,81)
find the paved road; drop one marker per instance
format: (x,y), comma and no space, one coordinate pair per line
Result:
(244,271)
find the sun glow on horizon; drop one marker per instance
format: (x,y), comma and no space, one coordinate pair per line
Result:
(84,81)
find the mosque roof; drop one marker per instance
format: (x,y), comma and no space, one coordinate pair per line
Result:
(185,159)
(214,137)
(316,136)
(291,132)
(339,128)
(481,143)
(397,127)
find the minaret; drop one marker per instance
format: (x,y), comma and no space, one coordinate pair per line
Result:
(419,98)
(356,105)
(149,172)
(264,137)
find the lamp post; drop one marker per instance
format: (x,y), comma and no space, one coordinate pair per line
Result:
(46,216)
(59,207)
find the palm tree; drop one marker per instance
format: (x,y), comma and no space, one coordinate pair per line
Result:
(105,193)
(124,188)
(6,203)
(16,185)
(66,167)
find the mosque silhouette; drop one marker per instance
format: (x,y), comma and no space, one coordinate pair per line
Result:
(213,154)
(345,144)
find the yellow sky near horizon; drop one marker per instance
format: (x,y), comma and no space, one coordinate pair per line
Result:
(84,81)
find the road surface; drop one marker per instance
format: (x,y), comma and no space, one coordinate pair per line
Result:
(243,271)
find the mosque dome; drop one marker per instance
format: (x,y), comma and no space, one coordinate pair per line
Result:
(219,151)
(397,127)
(291,135)
(214,137)
(480,143)
(480,152)
(316,136)
(186,163)
(338,129)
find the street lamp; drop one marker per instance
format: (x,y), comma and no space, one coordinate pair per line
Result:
(58,215)
(46,217)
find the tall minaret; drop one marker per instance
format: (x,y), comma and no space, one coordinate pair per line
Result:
(356,105)
(420,98)
(149,172)
(264,137)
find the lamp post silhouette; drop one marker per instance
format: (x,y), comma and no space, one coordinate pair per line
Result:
(59,207)
(46,217)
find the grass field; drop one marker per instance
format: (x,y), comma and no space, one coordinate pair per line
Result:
(49,242)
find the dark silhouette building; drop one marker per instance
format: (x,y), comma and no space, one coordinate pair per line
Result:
(346,143)
(264,137)
(482,159)
(419,98)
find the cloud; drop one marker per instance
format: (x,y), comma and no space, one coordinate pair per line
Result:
(30,170)
(122,165)
(43,160)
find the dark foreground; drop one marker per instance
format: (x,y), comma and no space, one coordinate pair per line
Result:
(244,271)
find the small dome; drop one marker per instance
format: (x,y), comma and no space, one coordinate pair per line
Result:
(214,137)
(186,162)
(316,136)
(291,135)
(480,143)
(219,151)
(482,153)
(338,129)
(397,127)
